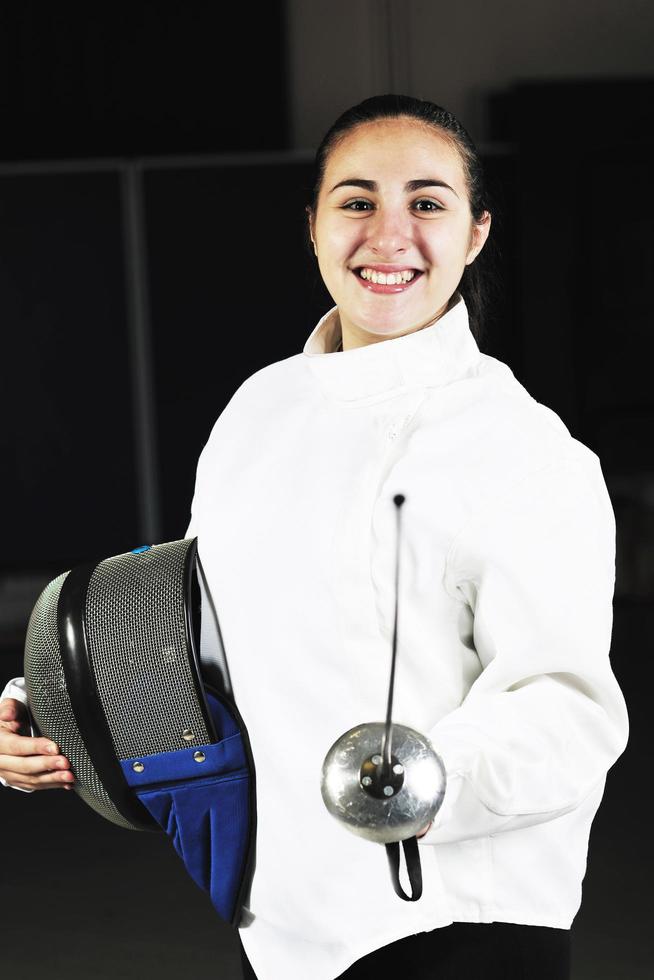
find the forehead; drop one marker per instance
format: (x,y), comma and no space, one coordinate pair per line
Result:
(404,148)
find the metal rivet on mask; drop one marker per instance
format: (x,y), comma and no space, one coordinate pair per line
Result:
(138,767)
(376,760)
(199,756)
(366,780)
(187,734)
(388,791)
(398,768)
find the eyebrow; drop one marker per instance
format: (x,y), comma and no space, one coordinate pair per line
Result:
(411,185)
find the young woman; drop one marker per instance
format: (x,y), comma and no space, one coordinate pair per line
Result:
(506,596)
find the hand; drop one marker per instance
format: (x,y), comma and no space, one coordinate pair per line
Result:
(26,762)
(424,829)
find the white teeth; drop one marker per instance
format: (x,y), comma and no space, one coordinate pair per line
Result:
(387,278)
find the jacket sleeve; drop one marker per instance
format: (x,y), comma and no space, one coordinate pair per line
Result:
(545,719)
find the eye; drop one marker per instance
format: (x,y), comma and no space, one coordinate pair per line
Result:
(358,200)
(434,206)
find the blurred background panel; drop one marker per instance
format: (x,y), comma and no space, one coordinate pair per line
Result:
(342,51)
(67,447)
(109,78)
(155,162)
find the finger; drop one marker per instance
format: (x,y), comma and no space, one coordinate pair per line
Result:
(41,786)
(11,708)
(33,764)
(53,780)
(13,744)
(11,726)
(47,780)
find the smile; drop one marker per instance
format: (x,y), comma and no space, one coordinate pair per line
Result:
(386,282)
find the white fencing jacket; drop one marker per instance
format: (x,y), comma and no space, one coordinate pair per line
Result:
(507,578)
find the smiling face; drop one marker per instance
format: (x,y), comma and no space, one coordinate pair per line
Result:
(393,207)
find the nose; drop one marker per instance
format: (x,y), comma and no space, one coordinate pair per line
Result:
(389,232)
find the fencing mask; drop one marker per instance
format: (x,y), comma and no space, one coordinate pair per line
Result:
(113,675)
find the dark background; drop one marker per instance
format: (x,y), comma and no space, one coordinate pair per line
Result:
(153,177)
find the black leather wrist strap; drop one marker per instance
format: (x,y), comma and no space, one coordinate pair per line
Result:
(412,858)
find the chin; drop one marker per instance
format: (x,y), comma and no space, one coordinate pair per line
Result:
(392,330)
(382,326)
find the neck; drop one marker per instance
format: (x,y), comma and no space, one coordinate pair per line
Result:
(353,336)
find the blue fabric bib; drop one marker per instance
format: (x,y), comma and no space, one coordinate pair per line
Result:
(203,798)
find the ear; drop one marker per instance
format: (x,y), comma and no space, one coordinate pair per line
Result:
(480,231)
(310,218)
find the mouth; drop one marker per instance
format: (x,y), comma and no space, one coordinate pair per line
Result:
(387,280)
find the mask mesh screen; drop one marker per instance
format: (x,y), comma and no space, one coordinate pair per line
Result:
(136,631)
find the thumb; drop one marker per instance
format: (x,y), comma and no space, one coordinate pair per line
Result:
(12,709)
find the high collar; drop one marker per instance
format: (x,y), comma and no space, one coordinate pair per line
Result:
(432,356)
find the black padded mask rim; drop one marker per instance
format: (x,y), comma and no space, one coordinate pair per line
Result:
(85,700)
